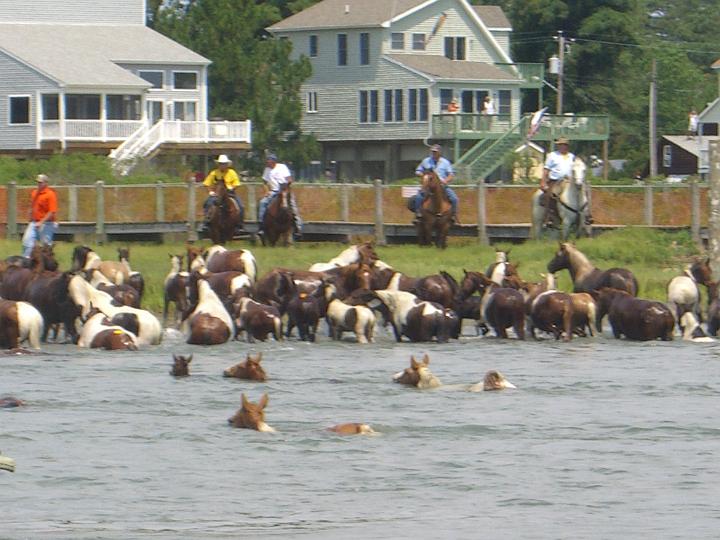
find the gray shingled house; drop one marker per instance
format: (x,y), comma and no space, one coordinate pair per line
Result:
(88,75)
(384,71)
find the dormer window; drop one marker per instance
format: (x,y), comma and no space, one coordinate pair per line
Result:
(418,42)
(455,48)
(397,41)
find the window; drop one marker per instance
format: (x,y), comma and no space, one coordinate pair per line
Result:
(313,46)
(418,42)
(156,78)
(184,80)
(418,105)
(122,107)
(446,95)
(455,48)
(368,106)
(397,40)
(364,48)
(342,49)
(393,105)
(312,102)
(50,107)
(504,101)
(82,106)
(667,155)
(185,110)
(19,110)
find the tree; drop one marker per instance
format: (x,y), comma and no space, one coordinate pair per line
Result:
(252,75)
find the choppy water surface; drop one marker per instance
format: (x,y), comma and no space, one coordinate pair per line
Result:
(601,439)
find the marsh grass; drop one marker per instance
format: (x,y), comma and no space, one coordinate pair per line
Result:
(653,256)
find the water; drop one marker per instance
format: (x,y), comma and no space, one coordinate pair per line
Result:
(602,439)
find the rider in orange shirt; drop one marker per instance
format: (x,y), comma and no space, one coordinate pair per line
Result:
(43,215)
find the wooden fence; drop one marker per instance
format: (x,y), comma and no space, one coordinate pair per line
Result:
(376,205)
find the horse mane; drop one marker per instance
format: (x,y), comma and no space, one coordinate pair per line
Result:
(575,255)
(454,286)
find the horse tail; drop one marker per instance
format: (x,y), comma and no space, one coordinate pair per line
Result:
(277,322)
(30,324)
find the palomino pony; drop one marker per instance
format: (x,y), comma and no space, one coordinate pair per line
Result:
(224,216)
(278,219)
(572,205)
(436,212)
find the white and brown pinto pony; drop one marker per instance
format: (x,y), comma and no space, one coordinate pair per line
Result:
(572,205)
(98,332)
(418,320)
(19,322)
(683,296)
(358,253)
(342,317)
(219,259)
(140,322)
(209,323)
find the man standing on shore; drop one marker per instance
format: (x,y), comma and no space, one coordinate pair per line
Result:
(43,215)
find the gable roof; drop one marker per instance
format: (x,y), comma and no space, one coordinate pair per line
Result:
(691,145)
(441,68)
(88,55)
(493,17)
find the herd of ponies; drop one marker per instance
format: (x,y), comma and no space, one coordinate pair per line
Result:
(215,295)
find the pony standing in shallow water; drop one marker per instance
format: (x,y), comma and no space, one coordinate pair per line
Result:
(572,205)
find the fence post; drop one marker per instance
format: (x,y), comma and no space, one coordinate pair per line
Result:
(251,203)
(72,203)
(100,235)
(379,225)
(344,202)
(12,225)
(648,203)
(192,232)
(695,209)
(159,202)
(481,217)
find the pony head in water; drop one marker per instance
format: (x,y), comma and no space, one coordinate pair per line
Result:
(181,365)
(251,415)
(417,375)
(352,428)
(249,369)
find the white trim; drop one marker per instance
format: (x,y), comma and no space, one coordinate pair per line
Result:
(369,107)
(410,11)
(485,31)
(38,115)
(312,102)
(9,110)
(197,109)
(173,88)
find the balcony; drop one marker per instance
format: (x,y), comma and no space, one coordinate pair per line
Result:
(532,75)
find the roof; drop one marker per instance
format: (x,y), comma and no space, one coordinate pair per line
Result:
(692,144)
(369,13)
(493,17)
(87,55)
(360,13)
(440,67)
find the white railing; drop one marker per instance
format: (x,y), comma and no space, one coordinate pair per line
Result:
(89,130)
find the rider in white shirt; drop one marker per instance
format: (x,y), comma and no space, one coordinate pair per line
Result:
(558,165)
(276,175)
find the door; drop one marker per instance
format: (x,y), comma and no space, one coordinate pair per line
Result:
(154,111)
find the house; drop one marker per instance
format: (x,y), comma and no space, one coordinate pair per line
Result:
(680,155)
(90,76)
(528,162)
(385,72)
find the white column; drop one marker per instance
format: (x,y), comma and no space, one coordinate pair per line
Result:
(103,116)
(61,118)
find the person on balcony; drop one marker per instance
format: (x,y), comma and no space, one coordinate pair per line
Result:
(444,169)
(227,174)
(43,215)
(276,175)
(453,106)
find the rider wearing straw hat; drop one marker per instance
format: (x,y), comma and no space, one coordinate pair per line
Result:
(558,166)
(223,172)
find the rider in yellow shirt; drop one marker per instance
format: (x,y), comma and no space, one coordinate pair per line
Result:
(224,172)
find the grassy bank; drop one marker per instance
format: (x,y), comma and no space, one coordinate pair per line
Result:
(653,256)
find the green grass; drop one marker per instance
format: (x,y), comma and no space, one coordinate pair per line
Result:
(653,256)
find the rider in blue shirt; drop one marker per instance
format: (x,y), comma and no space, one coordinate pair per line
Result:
(444,169)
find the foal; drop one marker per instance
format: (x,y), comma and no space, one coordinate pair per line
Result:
(417,375)
(251,415)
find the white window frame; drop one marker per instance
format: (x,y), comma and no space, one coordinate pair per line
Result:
(402,41)
(197,109)
(9,109)
(197,81)
(162,74)
(312,102)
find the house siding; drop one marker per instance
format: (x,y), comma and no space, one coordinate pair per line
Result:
(73,11)
(18,79)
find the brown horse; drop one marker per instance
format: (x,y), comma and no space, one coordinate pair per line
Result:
(180,367)
(278,219)
(251,415)
(250,369)
(224,216)
(436,213)
(634,318)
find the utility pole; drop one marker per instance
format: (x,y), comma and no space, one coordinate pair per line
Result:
(652,113)
(561,68)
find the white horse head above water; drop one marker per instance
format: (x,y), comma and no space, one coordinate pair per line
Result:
(572,204)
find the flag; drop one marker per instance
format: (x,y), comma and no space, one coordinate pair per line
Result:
(441,20)
(535,122)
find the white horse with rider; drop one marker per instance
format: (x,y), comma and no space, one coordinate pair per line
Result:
(571,196)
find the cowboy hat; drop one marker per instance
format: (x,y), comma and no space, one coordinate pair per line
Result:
(562,140)
(223,160)
(436,148)
(42,178)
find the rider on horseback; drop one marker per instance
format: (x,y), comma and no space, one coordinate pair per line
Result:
(443,168)
(231,179)
(275,176)
(558,166)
